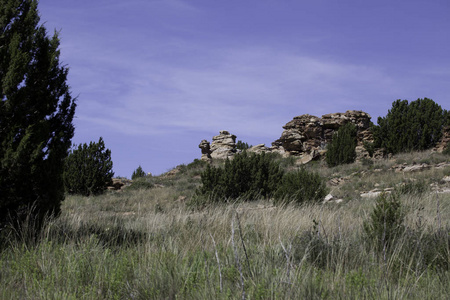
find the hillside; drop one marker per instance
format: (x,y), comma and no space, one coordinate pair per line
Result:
(147,242)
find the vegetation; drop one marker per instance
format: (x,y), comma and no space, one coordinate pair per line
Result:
(138,173)
(301,186)
(447,150)
(411,126)
(385,223)
(341,150)
(143,244)
(36,113)
(242,146)
(247,176)
(88,169)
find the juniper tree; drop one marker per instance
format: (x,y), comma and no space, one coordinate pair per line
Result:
(139,172)
(88,169)
(36,113)
(342,149)
(411,126)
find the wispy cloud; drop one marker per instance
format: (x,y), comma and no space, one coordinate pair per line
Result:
(249,88)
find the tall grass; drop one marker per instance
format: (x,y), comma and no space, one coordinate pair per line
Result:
(143,244)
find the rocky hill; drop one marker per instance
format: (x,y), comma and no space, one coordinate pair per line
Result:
(305,136)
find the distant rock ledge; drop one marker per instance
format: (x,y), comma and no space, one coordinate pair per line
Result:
(306,137)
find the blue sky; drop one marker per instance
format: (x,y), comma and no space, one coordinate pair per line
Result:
(155,77)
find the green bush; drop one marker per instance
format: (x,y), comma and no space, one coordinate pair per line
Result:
(385,223)
(138,173)
(341,150)
(301,186)
(247,177)
(411,126)
(88,169)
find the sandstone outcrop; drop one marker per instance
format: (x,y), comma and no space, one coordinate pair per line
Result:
(258,149)
(206,150)
(222,146)
(307,135)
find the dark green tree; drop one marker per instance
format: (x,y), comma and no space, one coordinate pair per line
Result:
(411,126)
(247,176)
(301,186)
(385,222)
(139,172)
(341,150)
(88,169)
(36,114)
(242,145)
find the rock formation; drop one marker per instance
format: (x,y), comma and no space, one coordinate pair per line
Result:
(307,136)
(259,149)
(206,150)
(223,146)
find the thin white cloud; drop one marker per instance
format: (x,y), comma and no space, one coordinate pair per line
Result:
(244,89)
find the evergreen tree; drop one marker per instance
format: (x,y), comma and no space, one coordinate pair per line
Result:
(88,169)
(411,126)
(242,145)
(341,150)
(139,172)
(247,176)
(36,113)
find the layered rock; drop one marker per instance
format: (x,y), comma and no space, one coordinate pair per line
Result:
(258,149)
(308,135)
(206,150)
(222,146)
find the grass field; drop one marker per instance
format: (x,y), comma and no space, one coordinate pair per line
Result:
(151,244)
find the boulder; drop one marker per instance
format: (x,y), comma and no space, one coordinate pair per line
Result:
(259,149)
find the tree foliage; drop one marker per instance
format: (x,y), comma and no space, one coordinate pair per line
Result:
(88,169)
(242,145)
(411,126)
(36,114)
(247,177)
(139,172)
(301,186)
(341,150)
(385,222)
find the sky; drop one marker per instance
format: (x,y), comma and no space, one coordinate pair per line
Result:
(155,77)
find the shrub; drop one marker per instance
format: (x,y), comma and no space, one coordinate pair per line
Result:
(36,114)
(138,173)
(88,169)
(411,126)
(447,150)
(246,177)
(385,223)
(141,183)
(301,186)
(242,146)
(341,150)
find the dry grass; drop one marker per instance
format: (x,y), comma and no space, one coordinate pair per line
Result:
(148,244)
